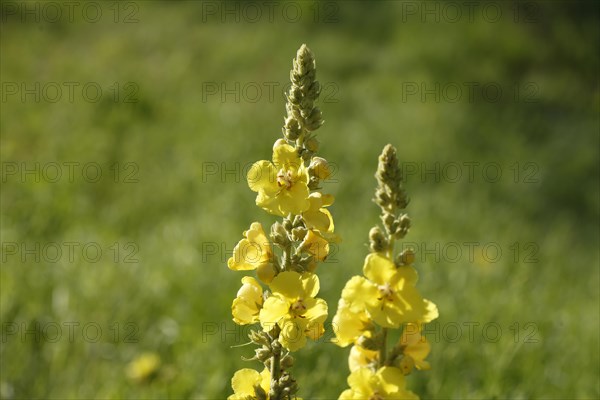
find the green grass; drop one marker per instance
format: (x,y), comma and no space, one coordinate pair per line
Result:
(176,214)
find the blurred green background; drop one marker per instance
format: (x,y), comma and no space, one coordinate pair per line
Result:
(98,270)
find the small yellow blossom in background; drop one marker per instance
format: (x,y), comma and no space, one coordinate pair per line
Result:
(246,380)
(415,349)
(144,368)
(388,294)
(254,252)
(294,309)
(282,185)
(348,325)
(247,304)
(386,383)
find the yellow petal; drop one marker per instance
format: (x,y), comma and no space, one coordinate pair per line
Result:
(243,382)
(310,284)
(294,200)
(262,176)
(379,269)
(359,292)
(274,310)
(286,157)
(391,380)
(288,284)
(238,261)
(362,381)
(292,335)
(347,325)
(266,272)
(361,357)
(316,245)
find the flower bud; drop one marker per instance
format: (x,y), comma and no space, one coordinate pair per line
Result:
(263,354)
(407,257)
(314,120)
(406,364)
(279,234)
(319,167)
(292,129)
(287,361)
(378,242)
(299,233)
(312,144)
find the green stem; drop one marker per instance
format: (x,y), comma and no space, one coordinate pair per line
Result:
(382,349)
(274,393)
(275,375)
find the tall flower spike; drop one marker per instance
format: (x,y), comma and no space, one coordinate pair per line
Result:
(384,298)
(287,311)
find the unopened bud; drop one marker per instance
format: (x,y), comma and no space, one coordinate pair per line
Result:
(378,242)
(312,145)
(319,167)
(407,257)
(279,234)
(299,233)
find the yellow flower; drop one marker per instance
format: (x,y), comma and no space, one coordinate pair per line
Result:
(294,309)
(144,368)
(349,324)
(254,252)
(361,357)
(387,383)
(317,217)
(245,380)
(315,244)
(415,348)
(282,185)
(247,304)
(388,294)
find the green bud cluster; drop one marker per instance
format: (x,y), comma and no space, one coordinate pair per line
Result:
(390,197)
(303,117)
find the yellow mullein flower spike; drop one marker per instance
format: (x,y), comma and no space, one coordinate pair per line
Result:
(294,309)
(386,383)
(282,185)
(247,304)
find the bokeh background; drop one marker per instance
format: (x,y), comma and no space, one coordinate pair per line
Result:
(495,115)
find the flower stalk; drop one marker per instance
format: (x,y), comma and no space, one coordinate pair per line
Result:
(385,298)
(283,300)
